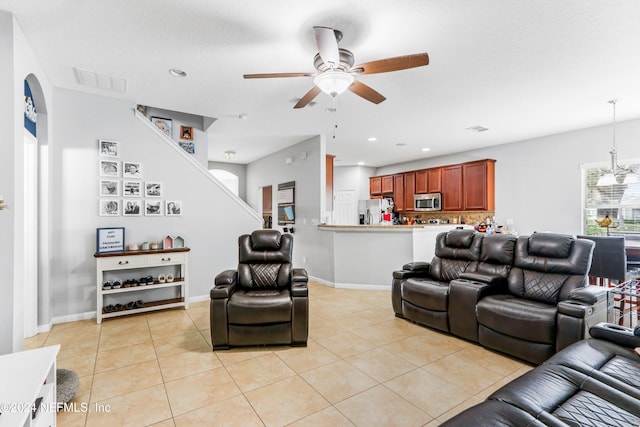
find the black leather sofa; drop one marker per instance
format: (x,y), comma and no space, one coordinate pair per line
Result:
(527,297)
(594,382)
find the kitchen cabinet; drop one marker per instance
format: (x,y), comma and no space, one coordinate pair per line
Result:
(434,180)
(375,186)
(398,194)
(452,188)
(130,265)
(479,185)
(387,184)
(422,181)
(329,182)
(409,190)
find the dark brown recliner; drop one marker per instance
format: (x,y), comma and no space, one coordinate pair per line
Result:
(540,313)
(420,291)
(265,301)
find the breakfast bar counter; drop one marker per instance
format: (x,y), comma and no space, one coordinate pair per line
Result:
(365,256)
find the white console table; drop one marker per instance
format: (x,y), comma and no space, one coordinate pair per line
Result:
(28,388)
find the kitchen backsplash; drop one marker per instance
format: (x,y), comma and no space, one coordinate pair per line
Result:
(468,217)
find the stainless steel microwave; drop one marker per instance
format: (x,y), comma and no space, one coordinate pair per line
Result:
(427,202)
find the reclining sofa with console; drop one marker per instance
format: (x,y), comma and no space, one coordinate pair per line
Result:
(594,382)
(526,296)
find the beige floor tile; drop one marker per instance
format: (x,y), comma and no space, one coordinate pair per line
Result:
(327,417)
(124,356)
(230,413)
(188,363)
(422,349)
(200,390)
(239,354)
(165,423)
(501,364)
(362,319)
(428,392)
(381,365)
(164,317)
(35,341)
(168,347)
(347,344)
(172,328)
(322,328)
(117,325)
(338,381)
(379,406)
(330,311)
(200,317)
(138,408)
(303,359)
(75,412)
(455,369)
(123,339)
(82,365)
(260,371)
(125,380)
(459,408)
(286,401)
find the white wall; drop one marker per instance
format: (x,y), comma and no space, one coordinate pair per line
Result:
(538,181)
(309,175)
(211,223)
(18,61)
(353,178)
(238,170)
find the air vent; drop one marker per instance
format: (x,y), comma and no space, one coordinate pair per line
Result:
(477,128)
(100,81)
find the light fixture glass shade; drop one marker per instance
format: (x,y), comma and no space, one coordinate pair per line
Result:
(607,179)
(333,82)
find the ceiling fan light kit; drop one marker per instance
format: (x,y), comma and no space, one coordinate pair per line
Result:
(610,177)
(336,72)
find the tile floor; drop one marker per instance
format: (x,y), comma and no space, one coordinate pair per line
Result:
(362,367)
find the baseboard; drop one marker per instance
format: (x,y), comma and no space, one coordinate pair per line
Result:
(199,298)
(68,318)
(363,286)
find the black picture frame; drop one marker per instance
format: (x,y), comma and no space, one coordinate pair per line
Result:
(109,240)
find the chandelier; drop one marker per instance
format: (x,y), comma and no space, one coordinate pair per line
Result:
(616,172)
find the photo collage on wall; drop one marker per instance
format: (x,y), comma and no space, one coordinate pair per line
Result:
(129,196)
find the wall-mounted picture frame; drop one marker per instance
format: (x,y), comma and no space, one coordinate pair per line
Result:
(152,189)
(131,170)
(132,207)
(109,168)
(163,124)
(142,109)
(186,133)
(108,148)
(189,147)
(109,207)
(109,188)
(153,207)
(132,188)
(173,208)
(109,240)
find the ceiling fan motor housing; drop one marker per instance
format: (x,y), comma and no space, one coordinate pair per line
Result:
(346,61)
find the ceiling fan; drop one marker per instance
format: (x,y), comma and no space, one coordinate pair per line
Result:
(336,72)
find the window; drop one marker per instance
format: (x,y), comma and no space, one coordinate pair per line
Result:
(619,201)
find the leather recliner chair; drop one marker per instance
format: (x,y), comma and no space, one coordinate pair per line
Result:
(265,301)
(420,291)
(527,321)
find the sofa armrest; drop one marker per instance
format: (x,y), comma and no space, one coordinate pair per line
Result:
(489,279)
(464,295)
(417,266)
(585,307)
(590,295)
(616,334)
(299,281)
(225,284)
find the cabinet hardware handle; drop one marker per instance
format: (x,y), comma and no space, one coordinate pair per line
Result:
(123,262)
(166,259)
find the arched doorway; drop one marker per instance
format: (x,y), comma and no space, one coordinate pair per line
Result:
(229,179)
(35,234)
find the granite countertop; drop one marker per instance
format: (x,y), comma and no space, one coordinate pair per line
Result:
(401,227)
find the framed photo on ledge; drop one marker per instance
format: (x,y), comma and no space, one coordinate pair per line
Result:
(109,240)
(186,133)
(163,124)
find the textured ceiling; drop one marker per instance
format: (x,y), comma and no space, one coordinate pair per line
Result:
(522,68)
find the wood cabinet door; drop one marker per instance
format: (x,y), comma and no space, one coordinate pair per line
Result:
(409,190)
(422,181)
(434,180)
(398,194)
(387,184)
(452,188)
(479,187)
(375,186)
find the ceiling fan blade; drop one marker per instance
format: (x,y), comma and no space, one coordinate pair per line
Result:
(308,97)
(276,75)
(366,92)
(327,46)
(392,64)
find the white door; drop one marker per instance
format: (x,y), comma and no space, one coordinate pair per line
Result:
(345,207)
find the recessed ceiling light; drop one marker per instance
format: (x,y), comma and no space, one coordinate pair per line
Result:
(372,139)
(360,163)
(400,144)
(176,72)
(426,149)
(477,128)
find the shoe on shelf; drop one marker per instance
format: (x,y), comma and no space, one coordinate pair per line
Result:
(109,308)
(169,277)
(139,304)
(130,305)
(119,307)
(161,278)
(107,285)
(117,284)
